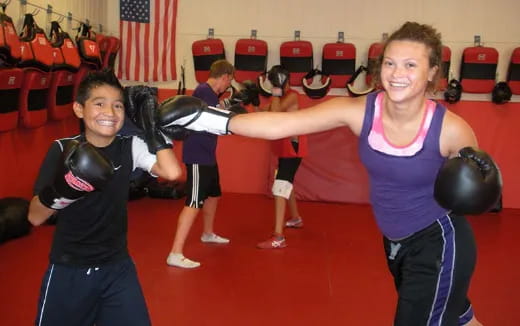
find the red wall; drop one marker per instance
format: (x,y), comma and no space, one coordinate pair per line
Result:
(331,172)
(334,168)
(498,132)
(23,151)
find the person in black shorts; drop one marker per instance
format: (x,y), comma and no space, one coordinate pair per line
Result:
(203,183)
(424,166)
(84,181)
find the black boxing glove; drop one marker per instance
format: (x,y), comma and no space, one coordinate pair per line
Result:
(141,106)
(237,98)
(468,184)
(248,94)
(188,112)
(251,93)
(83,169)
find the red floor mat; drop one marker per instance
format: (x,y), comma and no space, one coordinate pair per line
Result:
(333,271)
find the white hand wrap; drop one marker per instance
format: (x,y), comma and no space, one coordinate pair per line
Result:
(212,120)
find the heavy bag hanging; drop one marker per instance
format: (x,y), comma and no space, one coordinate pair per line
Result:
(445,67)
(339,61)
(478,68)
(10,85)
(250,58)
(513,73)
(205,52)
(297,57)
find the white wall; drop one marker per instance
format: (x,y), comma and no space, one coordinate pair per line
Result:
(363,22)
(93,10)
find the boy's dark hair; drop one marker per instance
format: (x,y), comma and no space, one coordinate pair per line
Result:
(221,67)
(421,33)
(95,79)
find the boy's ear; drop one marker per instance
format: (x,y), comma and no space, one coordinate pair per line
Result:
(78,109)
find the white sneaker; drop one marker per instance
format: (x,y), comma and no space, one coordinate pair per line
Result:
(296,223)
(178,260)
(213,238)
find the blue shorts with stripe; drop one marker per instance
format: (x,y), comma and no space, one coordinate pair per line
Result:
(432,270)
(105,295)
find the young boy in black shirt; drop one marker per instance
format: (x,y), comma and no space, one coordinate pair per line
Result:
(84,180)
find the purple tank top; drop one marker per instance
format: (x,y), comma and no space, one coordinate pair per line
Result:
(201,147)
(401,187)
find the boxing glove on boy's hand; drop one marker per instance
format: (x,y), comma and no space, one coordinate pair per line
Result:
(193,114)
(83,169)
(141,105)
(468,184)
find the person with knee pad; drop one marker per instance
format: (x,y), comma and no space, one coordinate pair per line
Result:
(421,160)
(84,180)
(203,181)
(289,151)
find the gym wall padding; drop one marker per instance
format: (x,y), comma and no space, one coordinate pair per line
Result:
(478,69)
(331,172)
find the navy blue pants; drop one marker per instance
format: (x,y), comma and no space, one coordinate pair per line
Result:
(432,270)
(106,295)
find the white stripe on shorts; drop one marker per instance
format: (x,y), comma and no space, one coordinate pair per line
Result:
(45,296)
(195,186)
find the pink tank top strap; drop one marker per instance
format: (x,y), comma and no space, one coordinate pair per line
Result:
(378,141)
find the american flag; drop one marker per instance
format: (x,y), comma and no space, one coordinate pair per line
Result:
(147,32)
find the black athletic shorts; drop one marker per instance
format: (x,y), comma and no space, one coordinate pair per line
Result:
(287,166)
(202,182)
(101,295)
(432,270)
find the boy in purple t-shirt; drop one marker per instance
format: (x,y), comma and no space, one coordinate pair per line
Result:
(202,184)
